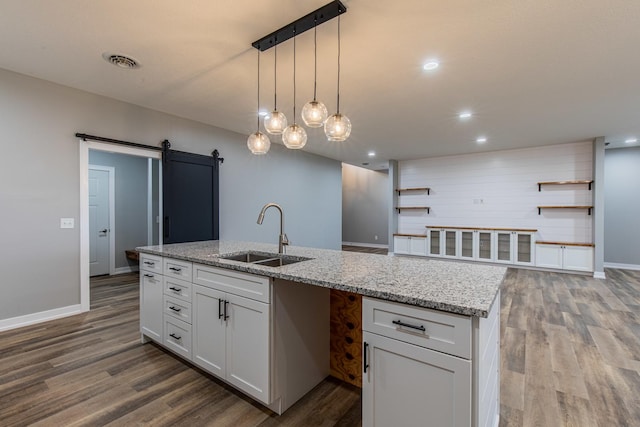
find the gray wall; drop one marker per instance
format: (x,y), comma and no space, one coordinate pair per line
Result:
(365,205)
(131,217)
(622,206)
(39,184)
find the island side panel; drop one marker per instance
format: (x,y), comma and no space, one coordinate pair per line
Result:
(346,337)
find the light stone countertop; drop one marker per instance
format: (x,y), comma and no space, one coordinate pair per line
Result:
(456,287)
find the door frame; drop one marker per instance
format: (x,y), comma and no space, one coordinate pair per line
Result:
(112,212)
(84,146)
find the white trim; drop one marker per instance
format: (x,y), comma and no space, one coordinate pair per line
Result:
(621,266)
(366,245)
(84,147)
(112,213)
(127,269)
(43,316)
(599,275)
(149,202)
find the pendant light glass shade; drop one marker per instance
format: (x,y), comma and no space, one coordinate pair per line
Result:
(258,143)
(275,122)
(314,113)
(337,127)
(294,137)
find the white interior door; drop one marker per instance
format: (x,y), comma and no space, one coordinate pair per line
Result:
(99,221)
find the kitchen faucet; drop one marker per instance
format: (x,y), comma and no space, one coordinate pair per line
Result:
(283,240)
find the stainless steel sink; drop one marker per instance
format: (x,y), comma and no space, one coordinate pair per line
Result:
(265,258)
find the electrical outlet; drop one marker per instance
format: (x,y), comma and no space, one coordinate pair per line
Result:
(375,237)
(67,223)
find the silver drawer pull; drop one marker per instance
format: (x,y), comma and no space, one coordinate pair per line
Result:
(177,310)
(175,289)
(175,337)
(406,325)
(177,270)
(150,263)
(149,275)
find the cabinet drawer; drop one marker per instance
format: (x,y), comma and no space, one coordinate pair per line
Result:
(177,308)
(177,336)
(177,269)
(243,284)
(177,288)
(446,332)
(152,263)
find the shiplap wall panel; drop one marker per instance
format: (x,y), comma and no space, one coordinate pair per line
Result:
(498,189)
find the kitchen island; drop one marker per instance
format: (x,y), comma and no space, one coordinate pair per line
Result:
(431,328)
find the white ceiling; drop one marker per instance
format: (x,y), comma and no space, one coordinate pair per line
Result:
(534,72)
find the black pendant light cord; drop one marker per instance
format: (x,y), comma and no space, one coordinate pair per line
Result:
(275,78)
(315,56)
(258,112)
(338,102)
(294,76)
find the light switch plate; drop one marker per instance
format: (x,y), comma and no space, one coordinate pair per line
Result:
(67,223)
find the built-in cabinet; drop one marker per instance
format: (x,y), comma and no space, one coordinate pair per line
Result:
(426,366)
(151,291)
(410,244)
(565,256)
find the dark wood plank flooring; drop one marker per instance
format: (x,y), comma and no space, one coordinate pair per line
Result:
(570,357)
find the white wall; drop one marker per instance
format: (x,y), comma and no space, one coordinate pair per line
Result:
(39,184)
(622,206)
(364,205)
(498,189)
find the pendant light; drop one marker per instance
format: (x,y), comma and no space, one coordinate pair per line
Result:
(338,126)
(294,136)
(314,113)
(275,122)
(258,142)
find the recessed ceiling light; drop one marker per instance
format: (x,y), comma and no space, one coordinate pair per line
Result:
(121,61)
(431,65)
(631,141)
(371,153)
(481,139)
(465,115)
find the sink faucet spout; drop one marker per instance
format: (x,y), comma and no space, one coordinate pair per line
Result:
(283,240)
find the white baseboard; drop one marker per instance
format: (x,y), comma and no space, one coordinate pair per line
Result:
(622,266)
(43,316)
(123,270)
(599,275)
(365,245)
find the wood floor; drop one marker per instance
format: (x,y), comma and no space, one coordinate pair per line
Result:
(570,357)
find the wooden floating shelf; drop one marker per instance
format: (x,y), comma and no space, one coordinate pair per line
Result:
(427,189)
(565,243)
(413,208)
(409,235)
(578,181)
(565,207)
(525,230)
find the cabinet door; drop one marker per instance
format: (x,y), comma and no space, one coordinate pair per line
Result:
(467,244)
(209,330)
(549,256)
(418,245)
(248,344)
(401,244)
(151,305)
(524,248)
(578,258)
(435,239)
(484,240)
(450,243)
(404,384)
(504,252)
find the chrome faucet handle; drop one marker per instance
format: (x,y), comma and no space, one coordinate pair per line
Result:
(285,239)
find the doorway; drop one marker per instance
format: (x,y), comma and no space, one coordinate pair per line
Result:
(154,204)
(101,220)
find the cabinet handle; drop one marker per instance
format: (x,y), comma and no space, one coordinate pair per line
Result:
(149,275)
(174,336)
(175,289)
(177,310)
(226,306)
(406,325)
(150,263)
(365,362)
(176,269)
(220,308)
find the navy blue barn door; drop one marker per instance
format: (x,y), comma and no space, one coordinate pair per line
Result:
(190,196)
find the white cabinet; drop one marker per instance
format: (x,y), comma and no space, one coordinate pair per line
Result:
(404,244)
(444,243)
(476,245)
(151,298)
(564,256)
(514,247)
(232,333)
(435,241)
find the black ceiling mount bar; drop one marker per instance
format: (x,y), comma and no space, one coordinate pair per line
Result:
(86,137)
(299,26)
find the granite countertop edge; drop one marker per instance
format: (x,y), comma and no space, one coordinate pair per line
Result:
(311,272)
